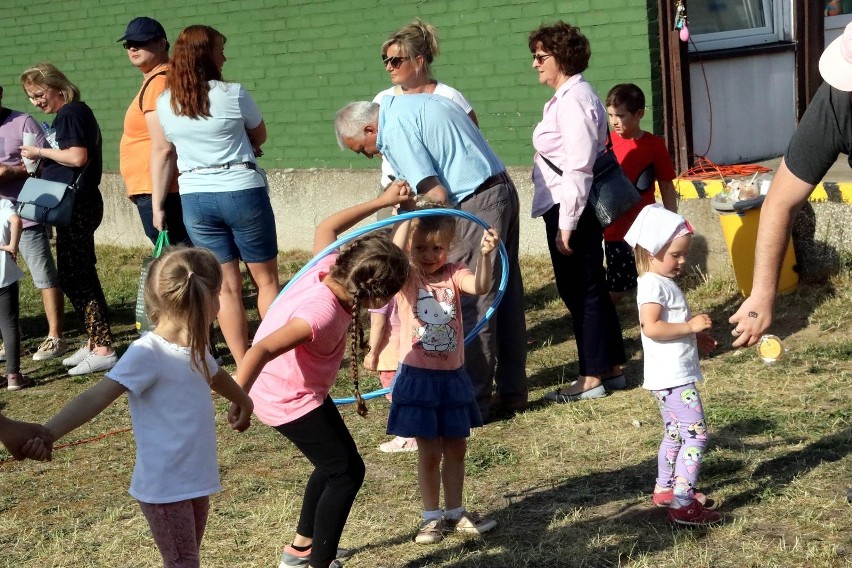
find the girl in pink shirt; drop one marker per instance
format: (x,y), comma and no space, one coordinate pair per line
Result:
(294,361)
(433,398)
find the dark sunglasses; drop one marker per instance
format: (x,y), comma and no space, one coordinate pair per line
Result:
(395,62)
(542,58)
(136,44)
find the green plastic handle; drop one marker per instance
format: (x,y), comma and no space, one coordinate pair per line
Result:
(162,241)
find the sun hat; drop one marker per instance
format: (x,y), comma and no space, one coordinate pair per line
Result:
(143,29)
(655,227)
(835,64)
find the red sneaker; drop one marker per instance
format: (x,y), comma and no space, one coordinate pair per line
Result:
(695,515)
(664,499)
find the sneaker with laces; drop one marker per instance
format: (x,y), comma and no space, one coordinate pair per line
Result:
(50,348)
(431,531)
(77,357)
(18,383)
(399,444)
(471,524)
(94,363)
(695,515)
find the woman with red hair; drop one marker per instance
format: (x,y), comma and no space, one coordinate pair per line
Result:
(214,130)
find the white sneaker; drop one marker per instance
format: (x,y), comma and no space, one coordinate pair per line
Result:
(50,348)
(399,444)
(94,363)
(77,357)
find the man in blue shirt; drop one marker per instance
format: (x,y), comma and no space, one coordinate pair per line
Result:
(432,144)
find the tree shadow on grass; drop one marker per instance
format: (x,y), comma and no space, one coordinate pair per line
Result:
(605,518)
(775,474)
(596,520)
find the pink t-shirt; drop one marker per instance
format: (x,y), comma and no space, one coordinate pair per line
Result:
(431,331)
(298,381)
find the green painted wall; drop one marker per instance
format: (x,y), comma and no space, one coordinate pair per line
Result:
(304,59)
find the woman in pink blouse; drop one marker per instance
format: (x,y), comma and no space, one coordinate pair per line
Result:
(570,136)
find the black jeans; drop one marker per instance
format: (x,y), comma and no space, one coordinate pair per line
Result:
(322,436)
(581,282)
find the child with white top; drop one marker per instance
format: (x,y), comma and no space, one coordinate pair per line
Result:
(671,338)
(167,375)
(10,236)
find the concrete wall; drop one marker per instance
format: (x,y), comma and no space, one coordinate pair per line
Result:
(302,198)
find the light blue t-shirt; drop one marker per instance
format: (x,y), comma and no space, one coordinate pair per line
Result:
(215,140)
(429,135)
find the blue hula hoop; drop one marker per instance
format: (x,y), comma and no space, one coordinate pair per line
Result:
(501,289)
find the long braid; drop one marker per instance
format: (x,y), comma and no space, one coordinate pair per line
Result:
(356,345)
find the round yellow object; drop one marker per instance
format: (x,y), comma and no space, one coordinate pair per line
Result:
(770,348)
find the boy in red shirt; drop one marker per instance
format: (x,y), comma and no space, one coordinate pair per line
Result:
(644,159)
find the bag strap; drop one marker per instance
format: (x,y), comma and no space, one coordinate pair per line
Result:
(558,171)
(145,85)
(162,242)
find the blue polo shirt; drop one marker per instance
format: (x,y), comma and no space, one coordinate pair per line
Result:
(429,135)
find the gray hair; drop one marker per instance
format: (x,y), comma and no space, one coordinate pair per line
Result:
(351,120)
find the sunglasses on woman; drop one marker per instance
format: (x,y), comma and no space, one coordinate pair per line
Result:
(395,61)
(541,57)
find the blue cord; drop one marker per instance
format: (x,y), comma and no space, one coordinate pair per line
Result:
(504,277)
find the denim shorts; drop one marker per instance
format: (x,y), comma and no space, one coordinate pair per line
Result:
(35,248)
(234,225)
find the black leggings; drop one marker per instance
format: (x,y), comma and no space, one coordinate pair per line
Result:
(322,436)
(9,330)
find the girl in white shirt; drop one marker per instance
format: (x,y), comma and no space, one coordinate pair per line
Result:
(167,375)
(671,337)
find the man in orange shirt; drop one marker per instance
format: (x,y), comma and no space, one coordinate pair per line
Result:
(148,50)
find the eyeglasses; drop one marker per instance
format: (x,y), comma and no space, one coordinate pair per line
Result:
(395,61)
(541,58)
(135,44)
(35,97)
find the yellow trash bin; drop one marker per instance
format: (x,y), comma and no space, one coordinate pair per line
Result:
(740,221)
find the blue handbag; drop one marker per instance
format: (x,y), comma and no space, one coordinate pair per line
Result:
(47,202)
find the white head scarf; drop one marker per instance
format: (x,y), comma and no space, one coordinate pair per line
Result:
(655,227)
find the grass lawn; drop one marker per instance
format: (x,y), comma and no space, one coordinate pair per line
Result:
(569,484)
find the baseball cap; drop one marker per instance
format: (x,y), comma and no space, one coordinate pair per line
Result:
(835,64)
(143,29)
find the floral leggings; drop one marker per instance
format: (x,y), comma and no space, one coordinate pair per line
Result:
(684,440)
(177,529)
(77,265)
